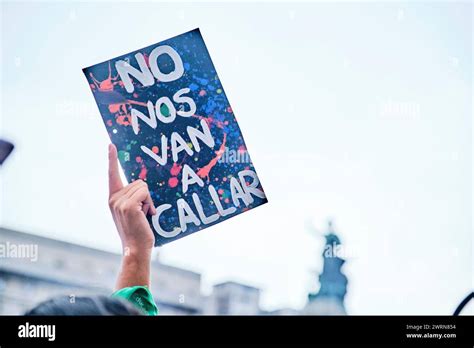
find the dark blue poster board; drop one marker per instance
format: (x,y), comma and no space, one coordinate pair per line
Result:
(167,113)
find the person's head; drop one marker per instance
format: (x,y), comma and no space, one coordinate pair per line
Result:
(87,305)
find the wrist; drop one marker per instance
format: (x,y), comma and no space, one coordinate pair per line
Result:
(131,253)
(135,269)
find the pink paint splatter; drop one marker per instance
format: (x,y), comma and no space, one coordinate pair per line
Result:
(204,171)
(113,108)
(173,181)
(146,58)
(123,120)
(210,120)
(175,169)
(106,85)
(119,109)
(143,173)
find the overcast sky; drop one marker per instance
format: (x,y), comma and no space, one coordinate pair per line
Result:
(359,112)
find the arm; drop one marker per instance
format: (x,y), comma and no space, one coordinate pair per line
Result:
(129,206)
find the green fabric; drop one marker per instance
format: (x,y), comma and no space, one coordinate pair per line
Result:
(140,297)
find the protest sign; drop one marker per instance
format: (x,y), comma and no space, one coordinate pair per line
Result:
(166,111)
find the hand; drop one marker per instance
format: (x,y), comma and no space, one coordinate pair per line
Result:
(129,206)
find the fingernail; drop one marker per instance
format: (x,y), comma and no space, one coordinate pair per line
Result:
(111,149)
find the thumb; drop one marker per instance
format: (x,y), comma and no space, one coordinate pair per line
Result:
(115,183)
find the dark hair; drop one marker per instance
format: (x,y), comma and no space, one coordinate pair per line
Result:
(90,305)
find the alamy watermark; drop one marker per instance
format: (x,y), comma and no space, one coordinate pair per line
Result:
(408,110)
(19,251)
(76,109)
(234,156)
(341,251)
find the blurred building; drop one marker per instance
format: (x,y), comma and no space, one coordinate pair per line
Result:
(35,268)
(235,298)
(329,300)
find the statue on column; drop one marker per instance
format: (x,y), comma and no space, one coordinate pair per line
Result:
(329,300)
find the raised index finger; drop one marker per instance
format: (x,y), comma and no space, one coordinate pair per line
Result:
(115,183)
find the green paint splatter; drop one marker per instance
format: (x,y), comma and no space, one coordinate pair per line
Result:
(165,111)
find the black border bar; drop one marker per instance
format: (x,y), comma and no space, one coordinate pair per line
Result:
(288,330)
